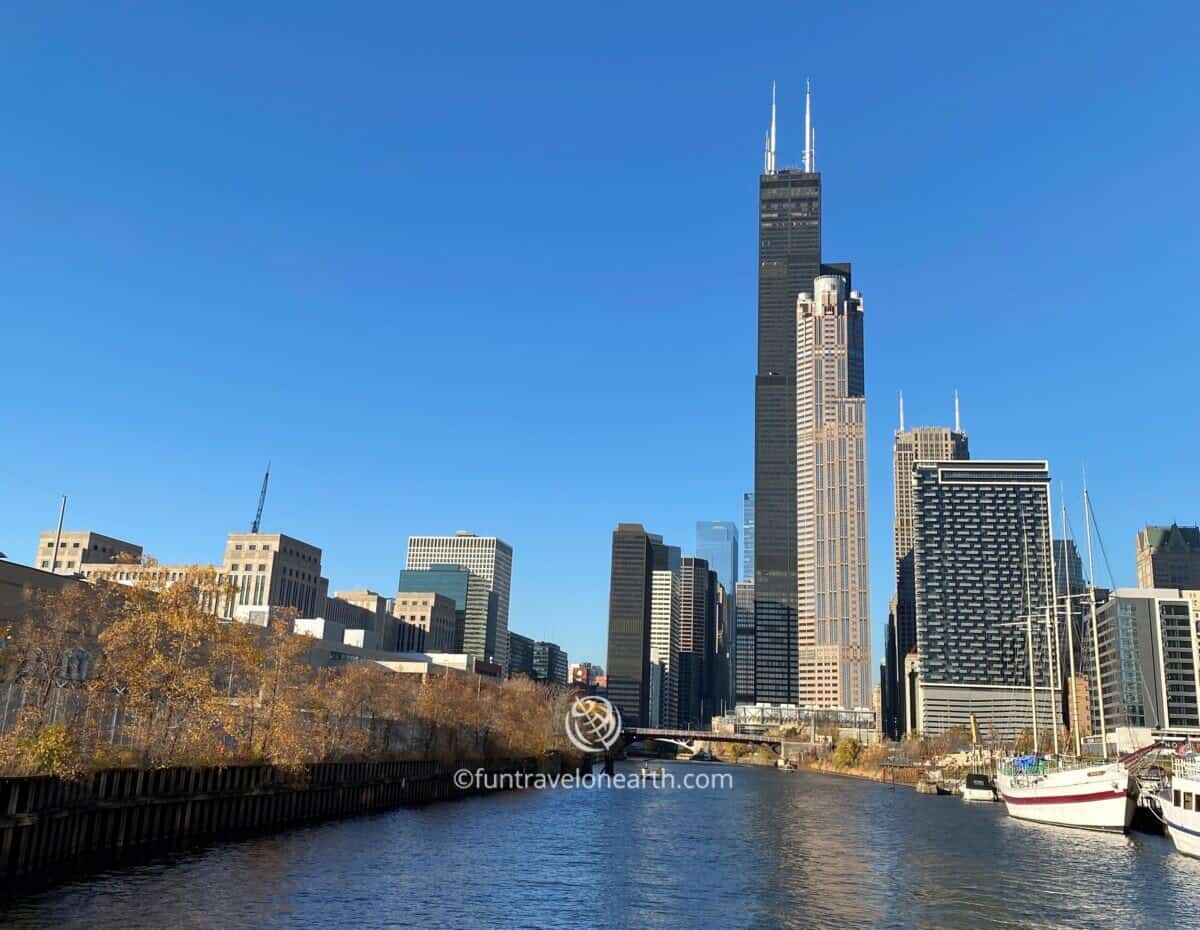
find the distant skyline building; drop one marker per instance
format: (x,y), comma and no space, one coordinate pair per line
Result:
(744,643)
(1149,644)
(486,556)
(549,663)
(748,537)
(910,445)
(717,544)
(1168,557)
(984,589)
(833,600)
(520,655)
(1068,568)
(585,674)
(665,628)
(629,606)
(697,641)
(475,605)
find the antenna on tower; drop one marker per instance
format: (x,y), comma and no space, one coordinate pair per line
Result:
(902,411)
(810,134)
(769,147)
(262,499)
(957,427)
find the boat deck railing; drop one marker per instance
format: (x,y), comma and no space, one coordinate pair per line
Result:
(1187,768)
(1047,766)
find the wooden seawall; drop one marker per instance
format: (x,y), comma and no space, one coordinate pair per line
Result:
(50,827)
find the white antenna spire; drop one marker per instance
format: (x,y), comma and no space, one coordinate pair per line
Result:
(810,155)
(902,411)
(957,425)
(769,154)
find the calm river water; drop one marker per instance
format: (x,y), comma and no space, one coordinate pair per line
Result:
(777,850)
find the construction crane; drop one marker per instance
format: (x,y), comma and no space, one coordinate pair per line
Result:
(262,499)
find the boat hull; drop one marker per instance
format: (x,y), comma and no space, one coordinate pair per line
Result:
(1182,825)
(1099,798)
(978,794)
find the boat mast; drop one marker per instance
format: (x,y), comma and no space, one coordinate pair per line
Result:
(1087,522)
(1052,650)
(1070,631)
(1029,632)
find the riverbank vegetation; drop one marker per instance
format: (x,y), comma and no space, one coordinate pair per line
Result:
(108,675)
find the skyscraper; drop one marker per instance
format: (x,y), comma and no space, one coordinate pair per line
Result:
(635,556)
(744,643)
(475,605)
(748,537)
(717,544)
(697,640)
(789,262)
(664,627)
(486,556)
(917,444)
(983,573)
(833,603)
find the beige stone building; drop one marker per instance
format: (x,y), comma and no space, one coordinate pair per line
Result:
(19,583)
(1168,557)
(272,570)
(269,570)
(77,548)
(426,621)
(833,614)
(364,610)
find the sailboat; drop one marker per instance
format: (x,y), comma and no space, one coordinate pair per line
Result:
(1063,791)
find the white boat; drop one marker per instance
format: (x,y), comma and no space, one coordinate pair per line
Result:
(1099,796)
(1076,792)
(978,787)
(1180,804)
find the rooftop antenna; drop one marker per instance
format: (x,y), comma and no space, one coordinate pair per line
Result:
(902,411)
(262,499)
(810,135)
(957,423)
(769,153)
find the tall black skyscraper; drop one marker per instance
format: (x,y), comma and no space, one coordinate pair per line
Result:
(636,555)
(629,623)
(789,261)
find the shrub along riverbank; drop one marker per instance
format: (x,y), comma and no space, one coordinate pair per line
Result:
(108,676)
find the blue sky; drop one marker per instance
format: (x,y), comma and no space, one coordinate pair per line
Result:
(465,267)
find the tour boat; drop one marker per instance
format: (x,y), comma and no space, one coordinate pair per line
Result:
(1097,796)
(1180,804)
(978,787)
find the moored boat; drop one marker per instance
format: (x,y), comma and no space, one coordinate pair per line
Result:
(1180,804)
(1097,796)
(978,787)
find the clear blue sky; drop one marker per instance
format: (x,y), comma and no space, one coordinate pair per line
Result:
(495,269)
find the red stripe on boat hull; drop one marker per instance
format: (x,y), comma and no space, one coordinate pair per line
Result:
(1067,798)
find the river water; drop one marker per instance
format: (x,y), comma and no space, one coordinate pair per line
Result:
(777,849)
